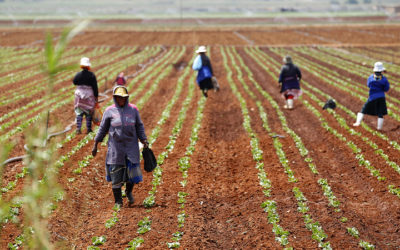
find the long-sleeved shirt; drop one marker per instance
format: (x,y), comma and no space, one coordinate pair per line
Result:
(85,77)
(289,77)
(203,65)
(124,128)
(377,85)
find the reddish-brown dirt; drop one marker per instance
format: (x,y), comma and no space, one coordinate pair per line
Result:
(223,206)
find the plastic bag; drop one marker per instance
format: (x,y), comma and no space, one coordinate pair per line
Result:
(150,162)
(97,115)
(215,83)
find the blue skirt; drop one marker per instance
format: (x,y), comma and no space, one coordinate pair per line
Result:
(118,174)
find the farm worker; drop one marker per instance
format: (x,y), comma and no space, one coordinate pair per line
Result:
(205,73)
(121,79)
(86,95)
(124,127)
(289,81)
(376,103)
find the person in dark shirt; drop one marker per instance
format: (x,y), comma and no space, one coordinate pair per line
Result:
(86,95)
(289,80)
(376,103)
(121,79)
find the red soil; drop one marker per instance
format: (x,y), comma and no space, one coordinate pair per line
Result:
(223,206)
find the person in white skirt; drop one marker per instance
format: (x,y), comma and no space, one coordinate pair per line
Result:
(376,103)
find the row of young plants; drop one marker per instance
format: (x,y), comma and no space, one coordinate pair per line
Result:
(355,149)
(317,232)
(14,208)
(34,87)
(28,57)
(83,163)
(65,91)
(11,56)
(385,54)
(26,89)
(166,67)
(367,140)
(314,227)
(100,240)
(349,67)
(149,201)
(184,165)
(327,191)
(61,100)
(363,62)
(269,205)
(24,111)
(394,144)
(31,71)
(333,78)
(18,89)
(62,159)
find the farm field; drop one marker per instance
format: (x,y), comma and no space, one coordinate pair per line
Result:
(236,170)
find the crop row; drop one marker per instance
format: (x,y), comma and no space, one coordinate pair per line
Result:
(84,141)
(60,100)
(327,190)
(145,224)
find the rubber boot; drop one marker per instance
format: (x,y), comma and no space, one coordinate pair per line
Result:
(380,124)
(128,193)
(290,103)
(205,92)
(286,106)
(117,196)
(89,124)
(79,119)
(360,116)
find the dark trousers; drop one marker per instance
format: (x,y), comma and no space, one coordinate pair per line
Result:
(79,119)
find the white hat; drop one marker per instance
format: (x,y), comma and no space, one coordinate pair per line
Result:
(378,67)
(85,62)
(201,49)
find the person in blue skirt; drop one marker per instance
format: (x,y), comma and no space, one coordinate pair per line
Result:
(205,74)
(376,103)
(122,122)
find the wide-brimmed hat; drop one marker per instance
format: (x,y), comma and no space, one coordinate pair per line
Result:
(85,62)
(121,91)
(378,67)
(287,59)
(201,49)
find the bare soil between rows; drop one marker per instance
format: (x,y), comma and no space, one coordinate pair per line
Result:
(224,199)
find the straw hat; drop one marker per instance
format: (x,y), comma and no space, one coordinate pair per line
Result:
(121,91)
(201,49)
(378,67)
(85,62)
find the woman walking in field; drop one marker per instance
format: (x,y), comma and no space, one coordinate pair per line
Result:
(205,72)
(376,103)
(124,127)
(86,95)
(289,80)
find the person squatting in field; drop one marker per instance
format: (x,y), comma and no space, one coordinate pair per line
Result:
(289,81)
(376,103)
(124,127)
(204,70)
(86,95)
